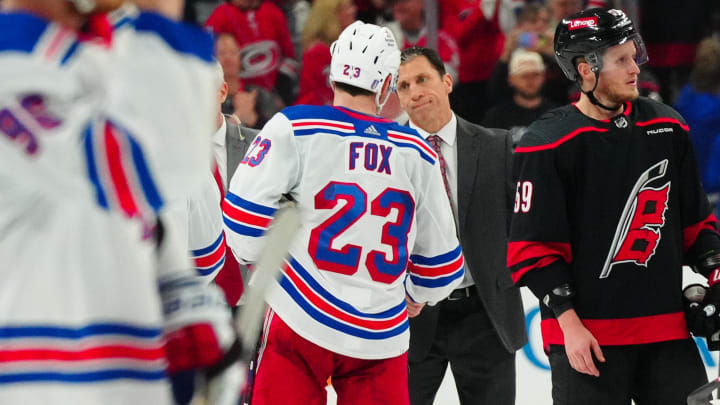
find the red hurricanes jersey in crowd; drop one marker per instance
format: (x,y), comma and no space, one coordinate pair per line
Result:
(314,76)
(263,37)
(614,208)
(480,39)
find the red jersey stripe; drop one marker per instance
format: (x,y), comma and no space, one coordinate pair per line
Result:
(120,184)
(560,141)
(663,120)
(690,233)
(443,270)
(328,309)
(245,217)
(92,353)
(624,331)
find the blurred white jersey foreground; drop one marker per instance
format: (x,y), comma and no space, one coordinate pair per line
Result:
(96,132)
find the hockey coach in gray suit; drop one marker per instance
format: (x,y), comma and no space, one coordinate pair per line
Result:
(478,328)
(230,143)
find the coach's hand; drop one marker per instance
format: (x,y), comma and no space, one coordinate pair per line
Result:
(413,308)
(580,344)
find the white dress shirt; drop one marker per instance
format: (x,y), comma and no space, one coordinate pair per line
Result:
(448,148)
(220,152)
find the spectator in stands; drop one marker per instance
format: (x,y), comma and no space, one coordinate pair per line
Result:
(699,104)
(672,31)
(326,21)
(296,13)
(526,77)
(261,31)
(476,29)
(249,103)
(409,30)
(531,33)
(560,9)
(372,11)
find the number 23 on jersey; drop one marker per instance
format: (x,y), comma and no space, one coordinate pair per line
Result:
(346,259)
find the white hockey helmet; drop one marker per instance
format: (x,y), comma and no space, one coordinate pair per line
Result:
(363,56)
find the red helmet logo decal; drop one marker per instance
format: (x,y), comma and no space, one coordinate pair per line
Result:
(587,22)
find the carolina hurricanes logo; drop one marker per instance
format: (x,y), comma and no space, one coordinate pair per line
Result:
(638,231)
(260,58)
(588,22)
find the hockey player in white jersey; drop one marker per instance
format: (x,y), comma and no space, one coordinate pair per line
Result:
(95,137)
(376,227)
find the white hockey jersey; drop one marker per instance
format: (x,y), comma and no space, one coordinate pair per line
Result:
(94,137)
(376,224)
(200,218)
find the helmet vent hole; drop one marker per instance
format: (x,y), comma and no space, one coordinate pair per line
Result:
(364,49)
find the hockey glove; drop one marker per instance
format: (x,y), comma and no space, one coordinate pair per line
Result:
(702,309)
(199,334)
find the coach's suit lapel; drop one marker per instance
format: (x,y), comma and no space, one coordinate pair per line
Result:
(235,149)
(468,153)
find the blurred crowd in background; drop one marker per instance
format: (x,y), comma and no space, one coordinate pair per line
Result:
(276,53)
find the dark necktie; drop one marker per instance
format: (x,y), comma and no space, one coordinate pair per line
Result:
(436,142)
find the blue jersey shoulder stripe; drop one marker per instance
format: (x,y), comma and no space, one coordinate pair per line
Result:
(37,331)
(20,31)
(183,38)
(337,325)
(249,205)
(440,259)
(305,112)
(300,270)
(86,377)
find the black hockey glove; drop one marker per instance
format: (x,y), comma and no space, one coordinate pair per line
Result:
(702,309)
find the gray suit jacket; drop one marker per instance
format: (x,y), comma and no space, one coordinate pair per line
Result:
(237,142)
(485,197)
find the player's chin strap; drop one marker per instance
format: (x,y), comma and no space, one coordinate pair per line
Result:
(591,94)
(380,104)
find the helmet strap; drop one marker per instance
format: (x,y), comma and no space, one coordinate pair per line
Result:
(381,103)
(591,95)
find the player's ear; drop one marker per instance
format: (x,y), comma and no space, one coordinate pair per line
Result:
(448,81)
(585,73)
(223,93)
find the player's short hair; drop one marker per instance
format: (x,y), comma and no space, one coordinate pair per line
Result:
(352,90)
(430,54)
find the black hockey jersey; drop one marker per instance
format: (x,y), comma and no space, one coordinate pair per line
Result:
(614,208)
